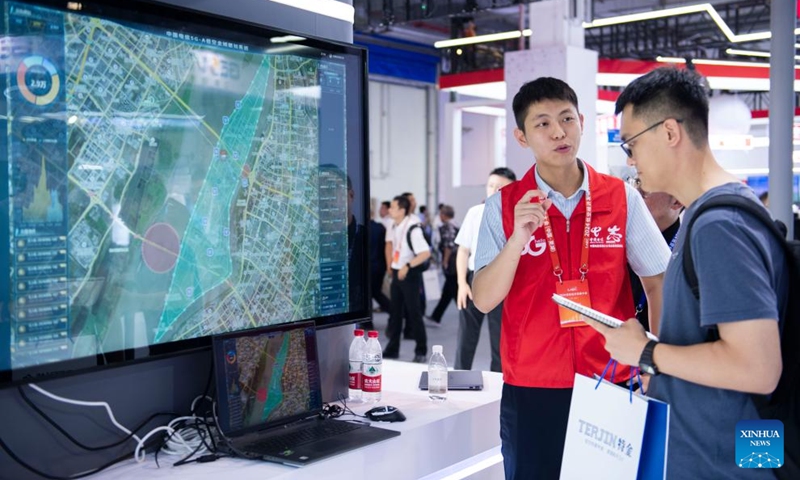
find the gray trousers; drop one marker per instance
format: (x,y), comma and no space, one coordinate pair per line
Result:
(470,320)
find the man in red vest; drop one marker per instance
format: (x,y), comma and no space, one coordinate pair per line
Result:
(562,228)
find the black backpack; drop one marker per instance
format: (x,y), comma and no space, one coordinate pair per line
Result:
(427,263)
(784,403)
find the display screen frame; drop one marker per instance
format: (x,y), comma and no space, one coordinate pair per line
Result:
(158,16)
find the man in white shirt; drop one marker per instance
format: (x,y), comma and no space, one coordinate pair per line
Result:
(470,318)
(406,263)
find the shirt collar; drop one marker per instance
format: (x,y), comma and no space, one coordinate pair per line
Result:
(548,190)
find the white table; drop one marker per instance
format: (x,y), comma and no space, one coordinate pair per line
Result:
(438,440)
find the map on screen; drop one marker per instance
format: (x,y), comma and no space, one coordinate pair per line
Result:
(167,184)
(268,378)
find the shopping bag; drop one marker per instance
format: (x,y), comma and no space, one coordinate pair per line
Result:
(614,434)
(430,281)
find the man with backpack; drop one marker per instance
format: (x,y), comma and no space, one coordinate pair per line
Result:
(447,246)
(719,352)
(410,251)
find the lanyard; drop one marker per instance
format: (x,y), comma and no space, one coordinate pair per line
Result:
(643,299)
(399,244)
(551,242)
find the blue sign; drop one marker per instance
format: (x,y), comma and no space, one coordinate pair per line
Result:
(759,444)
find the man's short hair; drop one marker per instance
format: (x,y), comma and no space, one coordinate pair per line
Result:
(386,204)
(539,90)
(504,172)
(447,211)
(402,202)
(669,92)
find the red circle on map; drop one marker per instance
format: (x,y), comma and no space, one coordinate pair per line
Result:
(245,171)
(261,394)
(160,247)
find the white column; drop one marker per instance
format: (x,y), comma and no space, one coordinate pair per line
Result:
(556,50)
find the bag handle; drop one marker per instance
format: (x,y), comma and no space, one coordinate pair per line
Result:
(613,364)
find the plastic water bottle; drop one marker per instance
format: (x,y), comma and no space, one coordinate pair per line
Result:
(372,369)
(437,375)
(357,347)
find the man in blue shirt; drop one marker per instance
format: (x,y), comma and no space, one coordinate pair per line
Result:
(742,276)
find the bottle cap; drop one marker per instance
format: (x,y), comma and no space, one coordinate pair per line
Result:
(358,332)
(373,334)
(437,349)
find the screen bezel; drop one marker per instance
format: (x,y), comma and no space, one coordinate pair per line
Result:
(159,15)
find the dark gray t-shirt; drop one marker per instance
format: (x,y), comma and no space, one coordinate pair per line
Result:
(742,275)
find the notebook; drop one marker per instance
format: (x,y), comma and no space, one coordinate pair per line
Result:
(269,398)
(457,380)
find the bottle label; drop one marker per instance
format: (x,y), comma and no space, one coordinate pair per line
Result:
(371,378)
(355,376)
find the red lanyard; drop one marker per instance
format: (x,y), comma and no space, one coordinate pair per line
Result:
(551,242)
(399,245)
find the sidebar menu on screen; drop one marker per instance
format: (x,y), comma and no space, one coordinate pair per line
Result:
(37,149)
(334,188)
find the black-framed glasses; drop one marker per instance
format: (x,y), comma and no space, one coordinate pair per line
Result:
(627,150)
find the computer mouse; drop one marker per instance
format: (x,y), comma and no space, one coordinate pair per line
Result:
(385,414)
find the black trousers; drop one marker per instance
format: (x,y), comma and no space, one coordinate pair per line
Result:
(470,320)
(449,292)
(405,297)
(376,283)
(533,429)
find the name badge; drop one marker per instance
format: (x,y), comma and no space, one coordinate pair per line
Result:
(577,291)
(396,256)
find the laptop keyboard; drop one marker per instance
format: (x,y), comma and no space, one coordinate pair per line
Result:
(312,433)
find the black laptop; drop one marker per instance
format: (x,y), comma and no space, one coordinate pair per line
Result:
(457,380)
(269,398)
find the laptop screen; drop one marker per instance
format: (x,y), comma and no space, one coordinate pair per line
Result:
(267,376)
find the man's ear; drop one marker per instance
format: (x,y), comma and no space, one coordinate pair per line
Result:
(520,136)
(580,115)
(674,132)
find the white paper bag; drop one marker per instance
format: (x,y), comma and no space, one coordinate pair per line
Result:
(430,281)
(613,435)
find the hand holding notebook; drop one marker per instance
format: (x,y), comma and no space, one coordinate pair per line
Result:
(595,315)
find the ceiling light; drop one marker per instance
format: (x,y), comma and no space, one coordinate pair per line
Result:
(328,8)
(701,61)
(752,53)
(491,37)
(640,17)
(674,12)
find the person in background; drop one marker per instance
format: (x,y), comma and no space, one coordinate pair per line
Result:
(412,201)
(666,211)
(406,281)
(743,279)
(385,219)
(542,348)
(377,265)
(764,197)
(470,318)
(447,248)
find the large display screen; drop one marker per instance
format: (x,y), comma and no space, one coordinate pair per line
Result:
(171,175)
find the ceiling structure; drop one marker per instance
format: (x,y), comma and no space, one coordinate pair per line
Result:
(695,35)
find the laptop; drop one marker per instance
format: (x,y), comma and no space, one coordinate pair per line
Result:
(269,398)
(457,380)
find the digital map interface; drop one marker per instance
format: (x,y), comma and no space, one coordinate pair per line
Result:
(269,378)
(165,185)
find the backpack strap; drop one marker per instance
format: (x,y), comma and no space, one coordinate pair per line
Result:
(719,201)
(408,236)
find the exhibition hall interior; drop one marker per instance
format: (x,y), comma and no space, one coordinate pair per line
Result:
(207,199)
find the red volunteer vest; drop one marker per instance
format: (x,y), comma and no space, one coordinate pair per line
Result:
(535,350)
